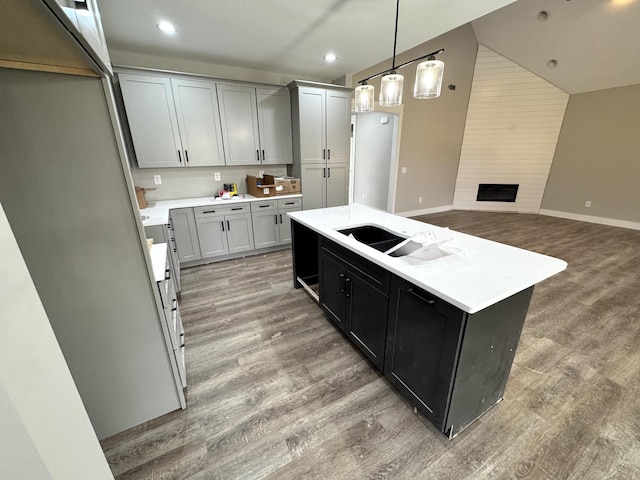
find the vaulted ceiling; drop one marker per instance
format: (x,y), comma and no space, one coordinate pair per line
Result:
(593,42)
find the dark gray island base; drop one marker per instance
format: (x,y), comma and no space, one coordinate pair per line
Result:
(451,365)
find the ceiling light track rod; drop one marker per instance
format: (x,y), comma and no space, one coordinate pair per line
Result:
(432,54)
(395,38)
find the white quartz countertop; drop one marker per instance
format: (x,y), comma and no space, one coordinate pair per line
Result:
(158,252)
(469,272)
(158,213)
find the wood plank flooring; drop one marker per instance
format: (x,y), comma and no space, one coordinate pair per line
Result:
(275,392)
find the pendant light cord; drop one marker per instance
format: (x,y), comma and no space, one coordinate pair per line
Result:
(395,38)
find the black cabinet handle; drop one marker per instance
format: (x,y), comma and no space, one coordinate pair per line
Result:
(258,155)
(209,211)
(348,285)
(228,226)
(186,156)
(280,218)
(324,172)
(166,274)
(263,155)
(341,282)
(290,203)
(179,157)
(237,208)
(328,154)
(222,223)
(276,217)
(328,172)
(428,301)
(264,206)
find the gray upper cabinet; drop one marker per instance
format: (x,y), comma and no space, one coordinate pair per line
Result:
(197,108)
(274,124)
(152,120)
(174,122)
(256,124)
(321,142)
(325,125)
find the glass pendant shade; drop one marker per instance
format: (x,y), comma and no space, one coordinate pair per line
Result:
(364,98)
(428,79)
(391,90)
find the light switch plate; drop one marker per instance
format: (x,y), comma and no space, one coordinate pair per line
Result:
(157,179)
(216,176)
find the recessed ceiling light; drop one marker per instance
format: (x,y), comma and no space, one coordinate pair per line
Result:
(330,57)
(166,27)
(552,63)
(543,15)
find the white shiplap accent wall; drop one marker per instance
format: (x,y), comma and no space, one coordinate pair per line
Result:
(510,136)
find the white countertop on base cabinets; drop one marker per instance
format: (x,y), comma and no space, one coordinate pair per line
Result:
(158,213)
(469,272)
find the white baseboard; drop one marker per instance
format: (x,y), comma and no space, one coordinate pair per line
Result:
(591,219)
(425,211)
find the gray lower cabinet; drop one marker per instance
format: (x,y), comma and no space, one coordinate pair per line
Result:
(185,231)
(271,226)
(165,234)
(224,230)
(169,299)
(325,186)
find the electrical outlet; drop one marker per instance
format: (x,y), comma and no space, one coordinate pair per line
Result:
(216,176)
(419,199)
(404,169)
(261,173)
(363,196)
(157,179)
(587,203)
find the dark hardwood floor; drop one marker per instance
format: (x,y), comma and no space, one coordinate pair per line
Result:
(275,392)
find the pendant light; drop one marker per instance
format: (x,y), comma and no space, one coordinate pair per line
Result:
(391,84)
(427,85)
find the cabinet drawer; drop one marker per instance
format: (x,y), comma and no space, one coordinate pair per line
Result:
(290,203)
(374,274)
(220,210)
(264,206)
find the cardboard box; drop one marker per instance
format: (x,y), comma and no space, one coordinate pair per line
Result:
(259,187)
(284,185)
(140,196)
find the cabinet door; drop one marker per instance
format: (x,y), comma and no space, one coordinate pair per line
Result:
(197,109)
(338,126)
(186,234)
(312,176)
(274,124)
(239,121)
(422,347)
(213,236)
(333,284)
(148,102)
(367,319)
(337,185)
(266,232)
(239,233)
(312,125)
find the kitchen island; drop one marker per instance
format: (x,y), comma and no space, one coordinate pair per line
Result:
(442,322)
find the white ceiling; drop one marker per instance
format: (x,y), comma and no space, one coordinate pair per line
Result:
(594,42)
(289,36)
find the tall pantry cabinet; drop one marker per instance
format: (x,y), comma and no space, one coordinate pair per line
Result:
(321,142)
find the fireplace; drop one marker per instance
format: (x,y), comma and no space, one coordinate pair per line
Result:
(497,192)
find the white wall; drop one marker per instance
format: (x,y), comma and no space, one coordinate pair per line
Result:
(45,432)
(512,127)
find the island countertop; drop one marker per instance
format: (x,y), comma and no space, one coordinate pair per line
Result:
(473,273)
